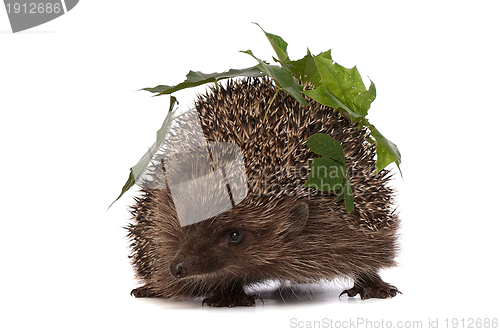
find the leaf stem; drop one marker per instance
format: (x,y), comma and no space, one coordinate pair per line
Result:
(268,107)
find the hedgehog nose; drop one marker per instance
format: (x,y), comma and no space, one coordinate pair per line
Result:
(177,270)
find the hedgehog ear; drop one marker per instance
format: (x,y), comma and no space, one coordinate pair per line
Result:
(297,219)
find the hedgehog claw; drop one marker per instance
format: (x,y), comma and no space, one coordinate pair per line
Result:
(374,289)
(142,292)
(353,292)
(258,297)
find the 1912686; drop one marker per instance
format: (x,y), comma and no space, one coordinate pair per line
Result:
(33,8)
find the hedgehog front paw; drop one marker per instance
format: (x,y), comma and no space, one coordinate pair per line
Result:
(142,292)
(242,300)
(378,289)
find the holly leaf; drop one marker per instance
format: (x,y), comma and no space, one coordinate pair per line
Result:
(195,78)
(283,77)
(324,145)
(139,168)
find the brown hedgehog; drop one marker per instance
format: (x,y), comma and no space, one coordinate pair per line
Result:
(276,229)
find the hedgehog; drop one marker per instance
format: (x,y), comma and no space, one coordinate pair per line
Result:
(272,228)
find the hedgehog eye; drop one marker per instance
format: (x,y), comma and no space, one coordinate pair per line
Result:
(235,236)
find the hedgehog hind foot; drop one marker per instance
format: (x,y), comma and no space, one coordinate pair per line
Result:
(368,288)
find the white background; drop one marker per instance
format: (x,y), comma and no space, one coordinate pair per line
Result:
(72,123)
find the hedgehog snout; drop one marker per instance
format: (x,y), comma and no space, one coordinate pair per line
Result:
(177,269)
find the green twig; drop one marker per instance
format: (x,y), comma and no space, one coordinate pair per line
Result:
(267,110)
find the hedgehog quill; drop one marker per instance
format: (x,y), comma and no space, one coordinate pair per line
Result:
(276,177)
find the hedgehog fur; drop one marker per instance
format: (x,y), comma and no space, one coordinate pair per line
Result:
(284,231)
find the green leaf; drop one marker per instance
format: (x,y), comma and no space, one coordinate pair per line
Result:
(137,170)
(348,195)
(284,78)
(329,171)
(387,152)
(322,96)
(305,68)
(346,192)
(331,84)
(158,88)
(196,78)
(278,44)
(326,174)
(324,145)
(337,85)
